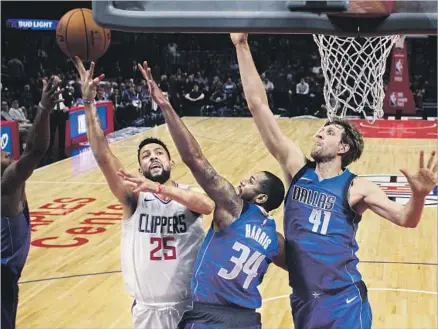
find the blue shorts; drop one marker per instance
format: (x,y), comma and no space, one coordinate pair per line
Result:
(345,309)
(9,292)
(210,316)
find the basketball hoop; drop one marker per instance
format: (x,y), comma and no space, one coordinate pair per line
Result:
(353,71)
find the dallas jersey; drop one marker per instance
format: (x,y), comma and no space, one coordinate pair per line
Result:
(160,242)
(232,262)
(320,229)
(15,241)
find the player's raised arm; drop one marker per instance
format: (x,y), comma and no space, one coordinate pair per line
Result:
(228,203)
(408,215)
(195,201)
(287,153)
(37,141)
(106,160)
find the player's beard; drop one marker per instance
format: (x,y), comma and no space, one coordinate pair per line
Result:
(160,178)
(320,157)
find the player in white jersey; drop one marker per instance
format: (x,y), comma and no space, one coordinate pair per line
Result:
(160,240)
(162,229)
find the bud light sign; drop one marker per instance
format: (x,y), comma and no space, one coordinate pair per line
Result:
(31,24)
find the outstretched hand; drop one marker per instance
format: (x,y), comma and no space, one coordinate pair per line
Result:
(88,84)
(156,93)
(137,183)
(239,38)
(50,94)
(425,179)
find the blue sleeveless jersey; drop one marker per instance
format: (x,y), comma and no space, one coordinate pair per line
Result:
(320,229)
(15,241)
(232,262)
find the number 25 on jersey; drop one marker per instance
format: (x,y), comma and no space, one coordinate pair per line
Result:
(244,263)
(164,248)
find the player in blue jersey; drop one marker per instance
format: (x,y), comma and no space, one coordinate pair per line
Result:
(323,207)
(241,242)
(15,220)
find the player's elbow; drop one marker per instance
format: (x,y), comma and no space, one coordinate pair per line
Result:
(37,152)
(410,224)
(406,219)
(209,207)
(401,221)
(102,159)
(255,103)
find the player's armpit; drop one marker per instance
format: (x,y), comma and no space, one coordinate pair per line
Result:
(280,260)
(18,172)
(228,203)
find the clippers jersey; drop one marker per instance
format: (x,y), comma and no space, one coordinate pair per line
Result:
(160,242)
(320,229)
(232,262)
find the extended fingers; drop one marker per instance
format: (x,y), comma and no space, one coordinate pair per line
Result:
(54,86)
(98,79)
(129,184)
(54,97)
(91,70)
(141,188)
(133,179)
(145,66)
(147,70)
(79,66)
(48,84)
(44,84)
(430,162)
(126,175)
(406,173)
(421,159)
(141,68)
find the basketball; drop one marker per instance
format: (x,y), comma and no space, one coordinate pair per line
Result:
(77,34)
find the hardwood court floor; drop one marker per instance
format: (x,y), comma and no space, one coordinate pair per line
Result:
(75,281)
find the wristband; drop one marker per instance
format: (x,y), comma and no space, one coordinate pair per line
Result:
(42,107)
(158,188)
(86,101)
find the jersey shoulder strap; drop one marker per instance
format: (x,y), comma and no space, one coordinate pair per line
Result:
(298,175)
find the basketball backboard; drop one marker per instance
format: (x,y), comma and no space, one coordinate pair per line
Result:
(293,16)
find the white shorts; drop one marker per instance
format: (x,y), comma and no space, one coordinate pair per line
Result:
(160,315)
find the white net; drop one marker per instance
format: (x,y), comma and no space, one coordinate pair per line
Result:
(353,70)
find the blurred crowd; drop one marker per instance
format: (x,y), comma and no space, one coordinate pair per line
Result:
(199,73)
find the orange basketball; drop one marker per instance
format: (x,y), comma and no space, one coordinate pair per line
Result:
(77,34)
